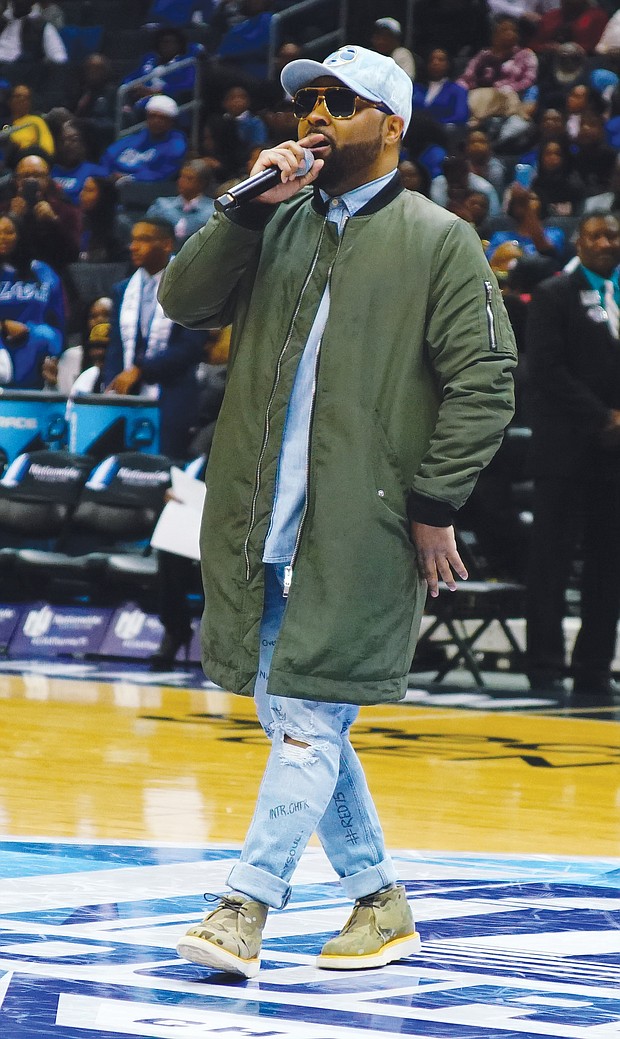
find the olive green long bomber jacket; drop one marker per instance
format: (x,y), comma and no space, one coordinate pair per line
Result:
(413,389)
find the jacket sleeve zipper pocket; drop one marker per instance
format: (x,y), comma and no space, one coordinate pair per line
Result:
(488,289)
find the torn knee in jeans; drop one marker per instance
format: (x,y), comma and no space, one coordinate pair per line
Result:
(295,751)
(295,743)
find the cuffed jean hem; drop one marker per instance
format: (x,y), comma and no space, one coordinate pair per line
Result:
(256,883)
(369,880)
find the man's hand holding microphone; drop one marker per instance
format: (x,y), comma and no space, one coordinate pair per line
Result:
(278,174)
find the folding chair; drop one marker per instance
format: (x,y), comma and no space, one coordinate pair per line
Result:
(467,614)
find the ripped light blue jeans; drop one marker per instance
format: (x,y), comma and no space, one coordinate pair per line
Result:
(320,787)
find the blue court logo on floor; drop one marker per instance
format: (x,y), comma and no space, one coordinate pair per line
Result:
(512,949)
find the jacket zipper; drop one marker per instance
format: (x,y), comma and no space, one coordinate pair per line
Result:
(488,288)
(287,341)
(288,570)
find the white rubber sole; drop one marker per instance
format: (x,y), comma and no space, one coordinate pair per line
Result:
(395,950)
(205,954)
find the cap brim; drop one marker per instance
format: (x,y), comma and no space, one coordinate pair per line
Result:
(300,73)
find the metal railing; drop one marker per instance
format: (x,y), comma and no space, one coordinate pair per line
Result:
(193,106)
(329,41)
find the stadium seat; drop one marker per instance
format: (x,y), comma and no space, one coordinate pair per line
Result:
(38,493)
(115,515)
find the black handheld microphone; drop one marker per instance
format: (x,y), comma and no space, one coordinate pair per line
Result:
(254,186)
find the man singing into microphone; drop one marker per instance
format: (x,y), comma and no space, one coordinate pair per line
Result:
(369,382)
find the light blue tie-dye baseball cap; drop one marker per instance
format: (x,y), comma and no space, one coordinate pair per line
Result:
(371,75)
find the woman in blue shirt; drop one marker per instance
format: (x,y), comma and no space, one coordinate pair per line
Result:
(32,313)
(440,97)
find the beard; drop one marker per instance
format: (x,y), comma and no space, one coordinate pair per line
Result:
(346,165)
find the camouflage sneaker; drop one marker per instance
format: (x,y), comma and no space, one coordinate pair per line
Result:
(229,938)
(379,931)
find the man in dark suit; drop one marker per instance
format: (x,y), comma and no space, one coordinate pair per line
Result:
(573,353)
(150,355)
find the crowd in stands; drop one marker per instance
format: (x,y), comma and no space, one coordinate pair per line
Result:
(516,129)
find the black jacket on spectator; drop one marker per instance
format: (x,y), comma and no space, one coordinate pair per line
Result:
(574,366)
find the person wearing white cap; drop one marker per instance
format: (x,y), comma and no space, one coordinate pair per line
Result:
(370,381)
(387,38)
(153,153)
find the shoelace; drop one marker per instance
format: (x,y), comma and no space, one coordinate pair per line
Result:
(365,902)
(225,903)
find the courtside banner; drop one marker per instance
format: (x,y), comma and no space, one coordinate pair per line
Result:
(31,420)
(50,631)
(9,619)
(133,633)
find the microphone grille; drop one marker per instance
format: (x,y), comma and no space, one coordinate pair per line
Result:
(308,163)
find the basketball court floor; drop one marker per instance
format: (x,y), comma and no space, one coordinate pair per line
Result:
(124,798)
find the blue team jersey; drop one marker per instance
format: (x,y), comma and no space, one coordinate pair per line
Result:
(37,303)
(142,157)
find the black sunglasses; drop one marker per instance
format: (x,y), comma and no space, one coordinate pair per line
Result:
(340,102)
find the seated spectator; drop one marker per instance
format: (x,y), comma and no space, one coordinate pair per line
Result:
(105,231)
(594,158)
(529,233)
(153,153)
(576,21)
(71,168)
(606,201)
(27,36)
(32,316)
(439,96)
(28,130)
(49,224)
(191,208)
(481,160)
(95,98)
(581,99)
(474,209)
(498,75)
(61,372)
(456,181)
(415,176)
(550,126)
(149,355)
(567,68)
(246,43)
(90,379)
(251,129)
(387,38)
(559,188)
(170,47)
